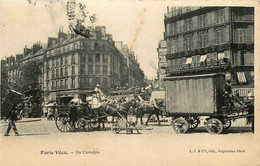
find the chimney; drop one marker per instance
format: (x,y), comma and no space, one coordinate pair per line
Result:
(36,47)
(19,57)
(50,41)
(103,31)
(26,51)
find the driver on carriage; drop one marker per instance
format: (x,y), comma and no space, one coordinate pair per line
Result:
(99,93)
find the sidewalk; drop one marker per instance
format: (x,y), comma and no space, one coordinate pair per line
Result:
(24,120)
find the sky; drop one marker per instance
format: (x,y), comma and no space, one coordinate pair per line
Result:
(137,24)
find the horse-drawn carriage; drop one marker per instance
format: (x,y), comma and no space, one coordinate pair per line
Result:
(191,97)
(87,112)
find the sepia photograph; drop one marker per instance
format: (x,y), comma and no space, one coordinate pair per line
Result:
(129,82)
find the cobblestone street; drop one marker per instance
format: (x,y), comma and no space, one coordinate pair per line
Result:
(41,137)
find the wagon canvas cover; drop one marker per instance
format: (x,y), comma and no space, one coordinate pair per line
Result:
(197,94)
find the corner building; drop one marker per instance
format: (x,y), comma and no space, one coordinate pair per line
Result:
(76,64)
(212,40)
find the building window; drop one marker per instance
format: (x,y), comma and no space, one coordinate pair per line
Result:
(66,83)
(72,82)
(61,60)
(82,58)
(90,69)
(203,40)
(96,46)
(187,24)
(47,65)
(66,71)
(89,82)
(66,59)
(104,69)
(90,58)
(219,37)
(61,83)
(47,85)
(75,46)
(220,16)
(57,84)
(238,14)
(53,63)
(82,82)
(97,69)
(105,58)
(72,59)
(97,58)
(47,74)
(57,62)
(188,43)
(72,70)
(57,72)
(61,72)
(169,28)
(52,85)
(202,20)
(239,35)
(53,73)
(82,69)
(91,45)
(105,82)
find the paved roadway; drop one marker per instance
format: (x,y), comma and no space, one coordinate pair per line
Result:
(156,145)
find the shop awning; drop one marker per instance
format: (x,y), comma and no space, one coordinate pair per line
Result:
(203,58)
(221,55)
(241,77)
(189,60)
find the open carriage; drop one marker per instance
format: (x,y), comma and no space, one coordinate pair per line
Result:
(85,112)
(191,97)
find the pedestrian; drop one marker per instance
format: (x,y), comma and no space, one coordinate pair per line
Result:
(73,115)
(12,118)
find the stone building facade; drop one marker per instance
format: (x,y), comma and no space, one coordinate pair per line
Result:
(212,39)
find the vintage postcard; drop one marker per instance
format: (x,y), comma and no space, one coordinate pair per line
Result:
(129,82)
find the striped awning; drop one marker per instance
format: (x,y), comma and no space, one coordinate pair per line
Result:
(241,77)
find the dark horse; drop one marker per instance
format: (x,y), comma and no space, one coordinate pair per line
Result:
(100,114)
(146,108)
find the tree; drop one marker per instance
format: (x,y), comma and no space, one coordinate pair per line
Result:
(30,73)
(4,82)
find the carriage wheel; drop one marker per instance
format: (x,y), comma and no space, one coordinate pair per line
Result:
(193,122)
(226,124)
(214,126)
(62,122)
(82,125)
(180,125)
(115,128)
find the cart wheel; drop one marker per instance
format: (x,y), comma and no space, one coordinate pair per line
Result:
(115,128)
(180,125)
(226,124)
(214,126)
(193,122)
(82,125)
(62,122)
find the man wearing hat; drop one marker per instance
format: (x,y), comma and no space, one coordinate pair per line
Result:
(13,117)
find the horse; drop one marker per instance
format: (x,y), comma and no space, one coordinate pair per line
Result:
(106,109)
(250,119)
(117,110)
(146,108)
